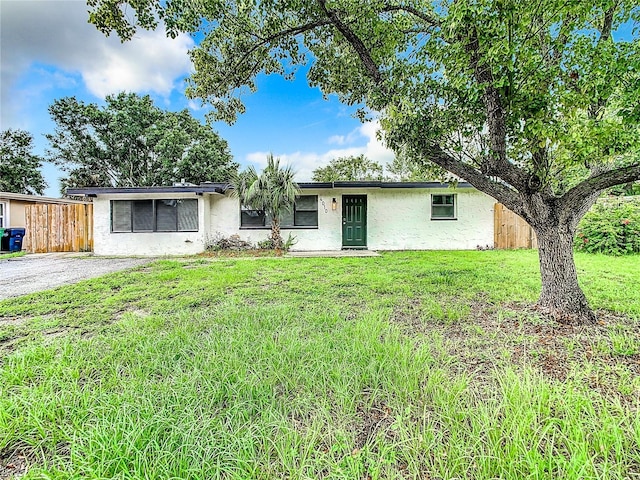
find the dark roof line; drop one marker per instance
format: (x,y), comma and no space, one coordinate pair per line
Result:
(214,187)
(197,189)
(376,184)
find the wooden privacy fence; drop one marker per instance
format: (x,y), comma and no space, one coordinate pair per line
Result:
(58,228)
(510,230)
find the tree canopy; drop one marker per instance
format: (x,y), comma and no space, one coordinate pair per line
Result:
(20,169)
(405,169)
(533,102)
(351,168)
(131,142)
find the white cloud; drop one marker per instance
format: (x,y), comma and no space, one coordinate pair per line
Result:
(196,106)
(304,163)
(57,35)
(337,139)
(149,63)
(354,135)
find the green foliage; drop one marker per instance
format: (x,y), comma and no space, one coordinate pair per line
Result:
(405,169)
(131,142)
(273,191)
(349,169)
(612,227)
(632,188)
(20,169)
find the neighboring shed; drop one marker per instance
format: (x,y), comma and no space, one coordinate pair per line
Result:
(327,216)
(52,224)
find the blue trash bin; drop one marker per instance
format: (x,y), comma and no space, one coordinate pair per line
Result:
(15,238)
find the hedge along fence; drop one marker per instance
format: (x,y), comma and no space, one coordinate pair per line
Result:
(612,226)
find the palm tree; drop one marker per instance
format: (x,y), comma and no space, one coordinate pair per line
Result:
(273,192)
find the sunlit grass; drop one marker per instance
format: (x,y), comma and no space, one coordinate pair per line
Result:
(409,365)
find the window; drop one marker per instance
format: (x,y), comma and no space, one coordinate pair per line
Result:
(3,221)
(303,215)
(443,207)
(171,215)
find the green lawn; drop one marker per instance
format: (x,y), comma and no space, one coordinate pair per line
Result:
(410,365)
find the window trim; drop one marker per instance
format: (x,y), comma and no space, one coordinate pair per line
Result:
(4,215)
(154,213)
(455,206)
(282,227)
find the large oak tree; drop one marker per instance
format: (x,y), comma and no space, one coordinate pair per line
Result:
(131,142)
(20,168)
(534,102)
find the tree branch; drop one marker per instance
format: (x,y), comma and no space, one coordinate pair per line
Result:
(497,190)
(264,41)
(295,30)
(607,23)
(598,183)
(414,11)
(369,64)
(605,36)
(497,163)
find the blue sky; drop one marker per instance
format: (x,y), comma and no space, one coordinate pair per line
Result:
(49,51)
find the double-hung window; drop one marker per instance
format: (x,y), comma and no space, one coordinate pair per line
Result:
(303,215)
(165,215)
(443,207)
(3,215)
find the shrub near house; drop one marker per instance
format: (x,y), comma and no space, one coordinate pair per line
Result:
(612,227)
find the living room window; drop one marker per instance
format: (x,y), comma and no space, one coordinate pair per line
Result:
(164,215)
(303,215)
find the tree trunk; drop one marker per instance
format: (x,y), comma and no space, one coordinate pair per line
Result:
(561,295)
(276,238)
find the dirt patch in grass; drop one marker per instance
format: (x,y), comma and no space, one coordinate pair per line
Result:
(13,466)
(373,420)
(15,461)
(241,253)
(517,334)
(12,321)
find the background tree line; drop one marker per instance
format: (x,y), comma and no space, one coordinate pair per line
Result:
(127,142)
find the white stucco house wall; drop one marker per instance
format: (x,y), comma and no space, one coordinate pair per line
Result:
(181,220)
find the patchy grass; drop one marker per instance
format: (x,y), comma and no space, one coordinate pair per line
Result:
(409,365)
(7,256)
(229,253)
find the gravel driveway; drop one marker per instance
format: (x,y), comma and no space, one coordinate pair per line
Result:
(37,272)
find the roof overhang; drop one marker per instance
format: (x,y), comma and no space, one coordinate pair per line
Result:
(221,188)
(205,188)
(376,184)
(35,198)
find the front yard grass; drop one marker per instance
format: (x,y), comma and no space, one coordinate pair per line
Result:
(410,365)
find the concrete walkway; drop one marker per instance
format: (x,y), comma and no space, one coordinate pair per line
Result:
(334,253)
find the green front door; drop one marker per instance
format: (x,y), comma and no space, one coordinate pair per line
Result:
(354,221)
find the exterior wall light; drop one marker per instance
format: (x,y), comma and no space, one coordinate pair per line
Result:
(334,204)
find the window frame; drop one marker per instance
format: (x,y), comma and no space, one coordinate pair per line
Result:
(154,215)
(4,209)
(295,226)
(454,204)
